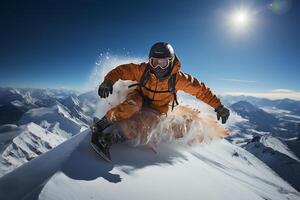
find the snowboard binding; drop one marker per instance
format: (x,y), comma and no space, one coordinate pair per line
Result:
(104,135)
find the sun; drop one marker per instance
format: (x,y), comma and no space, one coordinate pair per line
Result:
(240,19)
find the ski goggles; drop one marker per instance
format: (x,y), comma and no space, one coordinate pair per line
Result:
(163,63)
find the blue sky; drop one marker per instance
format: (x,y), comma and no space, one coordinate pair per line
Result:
(56,43)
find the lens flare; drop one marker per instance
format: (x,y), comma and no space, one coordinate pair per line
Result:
(280,6)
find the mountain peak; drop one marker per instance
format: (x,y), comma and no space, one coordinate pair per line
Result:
(244,106)
(71,100)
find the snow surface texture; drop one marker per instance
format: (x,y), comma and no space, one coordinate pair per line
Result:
(218,170)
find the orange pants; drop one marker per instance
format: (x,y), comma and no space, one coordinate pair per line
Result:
(137,122)
(132,118)
(127,109)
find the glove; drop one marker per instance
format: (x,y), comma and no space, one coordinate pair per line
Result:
(105,88)
(223,113)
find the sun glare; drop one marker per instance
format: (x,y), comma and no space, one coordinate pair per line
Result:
(240,19)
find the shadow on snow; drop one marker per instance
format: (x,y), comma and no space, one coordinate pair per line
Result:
(85,164)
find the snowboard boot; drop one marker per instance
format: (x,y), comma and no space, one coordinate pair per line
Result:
(104,135)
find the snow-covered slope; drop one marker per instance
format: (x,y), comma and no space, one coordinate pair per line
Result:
(32,142)
(278,145)
(278,156)
(73,170)
(294,145)
(55,119)
(75,107)
(33,124)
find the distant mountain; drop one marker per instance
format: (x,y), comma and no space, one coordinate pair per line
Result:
(76,108)
(38,97)
(262,120)
(285,103)
(36,113)
(230,99)
(11,112)
(89,102)
(8,94)
(56,119)
(14,102)
(288,104)
(294,145)
(7,133)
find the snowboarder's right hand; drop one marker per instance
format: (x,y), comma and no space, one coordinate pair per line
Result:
(105,89)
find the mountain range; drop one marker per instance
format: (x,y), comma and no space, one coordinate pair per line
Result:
(36,123)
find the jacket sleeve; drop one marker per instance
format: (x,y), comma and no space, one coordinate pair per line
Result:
(129,71)
(191,85)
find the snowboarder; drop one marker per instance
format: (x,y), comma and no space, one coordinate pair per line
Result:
(158,80)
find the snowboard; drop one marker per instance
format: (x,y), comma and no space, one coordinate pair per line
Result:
(106,157)
(99,149)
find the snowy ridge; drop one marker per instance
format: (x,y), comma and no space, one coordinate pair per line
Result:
(278,156)
(32,142)
(55,118)
(76,108)
(278,145)
(52,120)
(213,171)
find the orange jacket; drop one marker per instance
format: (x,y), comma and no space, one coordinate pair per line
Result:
(184,82)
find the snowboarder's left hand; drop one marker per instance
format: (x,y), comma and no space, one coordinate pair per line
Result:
(223,113)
